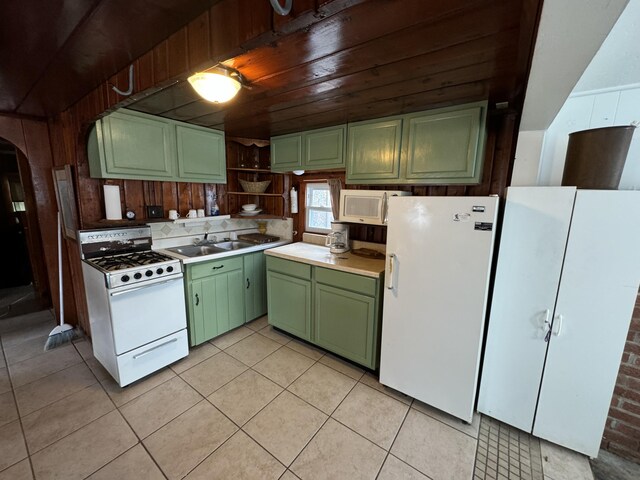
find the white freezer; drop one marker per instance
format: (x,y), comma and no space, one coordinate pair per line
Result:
(439,252)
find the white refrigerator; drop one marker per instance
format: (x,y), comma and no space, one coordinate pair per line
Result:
(438,263)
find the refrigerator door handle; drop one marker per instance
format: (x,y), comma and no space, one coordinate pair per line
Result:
(392,258)
(559,320)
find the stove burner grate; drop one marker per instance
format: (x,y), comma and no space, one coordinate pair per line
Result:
(129,260)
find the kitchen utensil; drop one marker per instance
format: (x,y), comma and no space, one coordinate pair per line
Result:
(192,214)
(173,214)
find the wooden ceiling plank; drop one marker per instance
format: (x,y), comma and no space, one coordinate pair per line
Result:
(481,72)
(442,62)
(360,58)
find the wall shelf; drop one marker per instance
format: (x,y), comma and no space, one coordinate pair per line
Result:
(259,194)
(250,170)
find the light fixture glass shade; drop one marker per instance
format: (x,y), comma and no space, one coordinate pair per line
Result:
(215,87)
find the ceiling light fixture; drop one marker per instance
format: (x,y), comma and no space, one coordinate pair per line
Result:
(218,85)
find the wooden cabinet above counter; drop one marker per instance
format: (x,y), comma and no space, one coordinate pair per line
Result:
(441,146)
(133,145)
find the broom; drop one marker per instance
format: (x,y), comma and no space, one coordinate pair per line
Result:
(64,332)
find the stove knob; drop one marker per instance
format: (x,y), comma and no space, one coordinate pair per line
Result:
(169,269)
(125,278)
(148,273)
(159,271)
(137,276)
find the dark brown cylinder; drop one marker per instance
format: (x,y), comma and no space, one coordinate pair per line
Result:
(596,157)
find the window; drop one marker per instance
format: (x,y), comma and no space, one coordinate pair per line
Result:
(318,206)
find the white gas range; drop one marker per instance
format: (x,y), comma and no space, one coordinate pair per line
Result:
(136,303)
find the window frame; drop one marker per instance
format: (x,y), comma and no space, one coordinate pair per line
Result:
(309,188)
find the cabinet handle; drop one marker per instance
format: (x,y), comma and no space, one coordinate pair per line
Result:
(559,320)
(248,283)
(392,258)
(218,267)
(385,209)
(197,300)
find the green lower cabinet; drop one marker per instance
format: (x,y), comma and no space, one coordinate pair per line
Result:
(216,298)
(345,323)
(255,278)
(338,311)
(289,303)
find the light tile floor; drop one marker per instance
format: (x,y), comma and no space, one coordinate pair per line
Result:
(254,403)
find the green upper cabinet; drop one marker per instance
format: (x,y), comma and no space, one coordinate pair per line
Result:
(324,148)
(442,146)
(374,151)
(201,154)
(286,153)
(321,149)
(132,145)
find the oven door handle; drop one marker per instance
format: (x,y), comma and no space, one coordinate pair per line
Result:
(129,290)
(147,352)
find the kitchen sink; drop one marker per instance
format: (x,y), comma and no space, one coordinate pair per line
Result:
(218,247)
(197,250)
(233,245)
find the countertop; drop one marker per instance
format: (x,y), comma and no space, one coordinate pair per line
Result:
(319,256)
(231,253)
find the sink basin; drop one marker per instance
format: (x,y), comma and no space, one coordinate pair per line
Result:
(201,250)
(197,250)
(233,245)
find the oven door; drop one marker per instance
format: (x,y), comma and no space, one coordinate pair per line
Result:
(143,313)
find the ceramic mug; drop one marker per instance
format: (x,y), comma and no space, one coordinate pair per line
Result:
(173,214)
(192,214)
(200,212)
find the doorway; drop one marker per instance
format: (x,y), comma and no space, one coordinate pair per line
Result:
(21,288)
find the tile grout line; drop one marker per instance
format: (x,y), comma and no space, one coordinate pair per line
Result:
(24,437)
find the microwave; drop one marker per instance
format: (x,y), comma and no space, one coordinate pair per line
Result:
(366,206)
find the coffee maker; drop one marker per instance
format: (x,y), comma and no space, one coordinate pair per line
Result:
(338,239)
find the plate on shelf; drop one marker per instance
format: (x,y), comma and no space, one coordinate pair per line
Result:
(250,213)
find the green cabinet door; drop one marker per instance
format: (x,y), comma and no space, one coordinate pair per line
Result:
(255,277)
(345,323)
(444,146)
(289,300)
(286,153)
(373,151)
(201,154)
(324,148)
(132,145)
(216,298)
